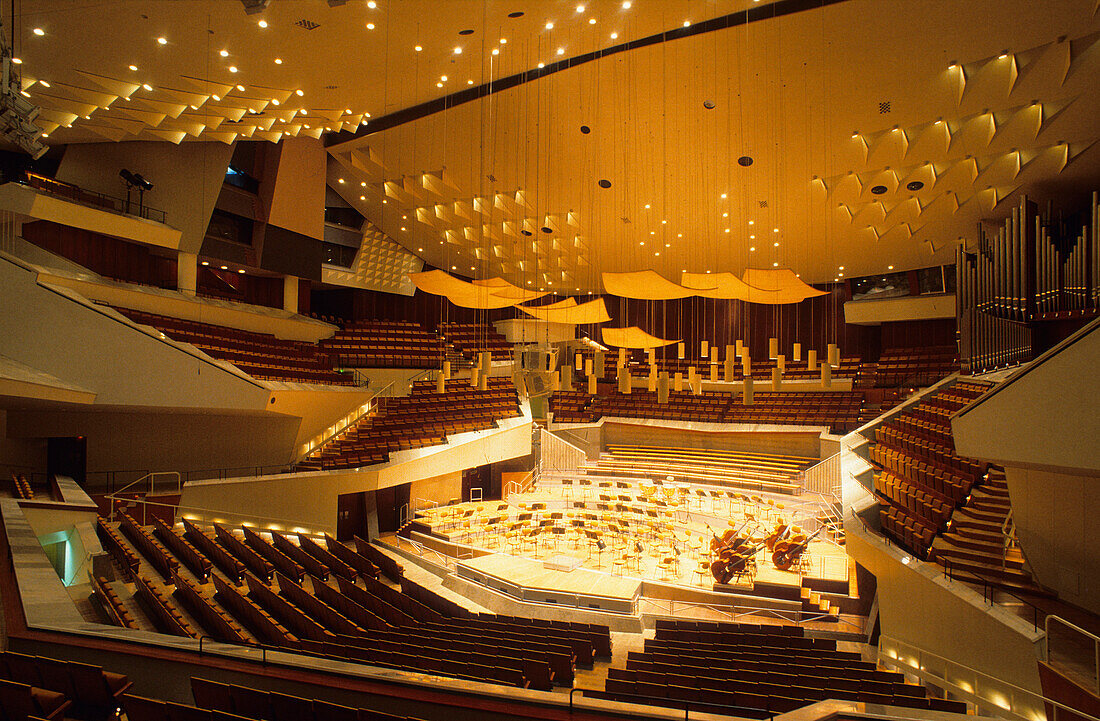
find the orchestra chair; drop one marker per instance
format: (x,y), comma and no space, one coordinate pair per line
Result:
(702,570)
(567,487)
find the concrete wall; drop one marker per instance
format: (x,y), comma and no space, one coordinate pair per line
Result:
(90,347)
(918,307)
(186,178)
(298,199)
(1055,516)
(439,488)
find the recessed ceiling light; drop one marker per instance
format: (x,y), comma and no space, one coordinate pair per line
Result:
(549,26)
(240,270)
(504,41)
(402,229)
(147,86)
(542,65)
(372,4)
(469,82)
(647,206)
(418,48)
(580,8)
(274,101)
(725,215)
(225,267)
(25,94)
(751,249)
(217,98)
(443,78)
(752,237)
(775,244)
(362,197)
(162,41)
(206,262)
(591,21)
(340,180)
(614,36)
(626,5)
(1002,56)
(727,230)
(775,265)
(224,53)
(687,23)
(496,51)
(458,51)
(232,68)
(262,23)
(419,250)
(561,51)
(240,88)
(370,26)
(775,230)
(278,61)
(840,267)
(751,222)
(439,85)
(889,267)
(134,68)
(363,184)
(299,92)
(17,61)
(43,83)
(39,32)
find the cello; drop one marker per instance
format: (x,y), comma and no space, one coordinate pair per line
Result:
(732,553)
(788,551)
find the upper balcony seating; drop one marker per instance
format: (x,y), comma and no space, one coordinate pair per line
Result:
(423,418)
(761,369)
(384,344)
(261,355)
(919,479)
(915,366)
(473,338)
(839,410)
(753,672)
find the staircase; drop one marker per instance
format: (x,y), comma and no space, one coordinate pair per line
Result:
(976,546)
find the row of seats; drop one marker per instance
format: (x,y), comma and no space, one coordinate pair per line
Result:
(839,410)
(384,344)
(915,366)
(919,480)
(257,704)
(423,418)
(473,338)
(21,487)
(112,604)
(261,355)
(50,688)
(753,671)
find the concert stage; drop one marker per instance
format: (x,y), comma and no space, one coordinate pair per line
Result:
(531,580)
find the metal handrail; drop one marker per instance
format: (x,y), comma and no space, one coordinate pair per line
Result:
(1072,626)
(920,669)
(181,511)
(151,477)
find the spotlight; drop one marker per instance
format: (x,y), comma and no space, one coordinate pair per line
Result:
(17,115)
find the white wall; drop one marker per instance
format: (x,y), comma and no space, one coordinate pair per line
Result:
(93,349)
(186,178)
(298,199)
(1055,516)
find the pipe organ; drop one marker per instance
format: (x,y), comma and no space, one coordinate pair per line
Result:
(1033,269)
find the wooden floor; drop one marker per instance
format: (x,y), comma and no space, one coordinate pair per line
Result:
(531,573)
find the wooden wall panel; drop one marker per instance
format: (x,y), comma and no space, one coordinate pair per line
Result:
(103,254)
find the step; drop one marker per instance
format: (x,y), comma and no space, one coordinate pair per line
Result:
(1000,583)
(963,518)
(983,515)
(944,547)
(990,571)
(977,543)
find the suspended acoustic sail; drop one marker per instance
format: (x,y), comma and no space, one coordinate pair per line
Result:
(633,337)
(777,286)
(723,286)
(591,312)
(478,295)
(643,285)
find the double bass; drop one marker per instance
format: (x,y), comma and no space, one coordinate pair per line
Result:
(788,551)
(733,552)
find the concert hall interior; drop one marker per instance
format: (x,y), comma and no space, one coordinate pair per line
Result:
(446,360)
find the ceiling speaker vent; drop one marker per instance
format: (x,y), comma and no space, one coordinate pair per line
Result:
(884,107)
(492,178)
(626,220)
(307,24)
(763,204)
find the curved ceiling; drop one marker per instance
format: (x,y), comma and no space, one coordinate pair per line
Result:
(880,133)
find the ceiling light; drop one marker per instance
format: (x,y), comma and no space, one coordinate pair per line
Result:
(232,68)
(1002,56)
(362,197)
(39,32)
(751,249)
(841,275)
(443,78)
(549,26)
(668,245)
(278,61)
(206,262)
(240,88)
(439,85)
(147,86)
(723,196)
(614,36)
(340,180)
(299,93)
(372,4)
(458,51)
(725,215)
(17,61)
(775,245)
(687,23)
(225,267)
(418,48)
(274,101)
(496,51)
(656,253)
(889,267)
(580,8)
(363,184)
(455,267)
(217,98)
(370,26)
(419,250)
(469,82)
(542,65)
(727,230)
(402,229)
(775,265)
(224,53)
(262,23)
(162,41)
(626,5)
(133,67)
(775,230)
(647,206)
(840,267)
(561,51)
(240,270)
(25,94)
(591,21)
(504,41)
(952,66)
(43,83)
(751,222)
(752,237)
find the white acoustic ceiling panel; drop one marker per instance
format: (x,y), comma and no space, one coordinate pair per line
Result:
(380,264)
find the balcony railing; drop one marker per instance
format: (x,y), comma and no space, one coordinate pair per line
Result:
(76,194)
